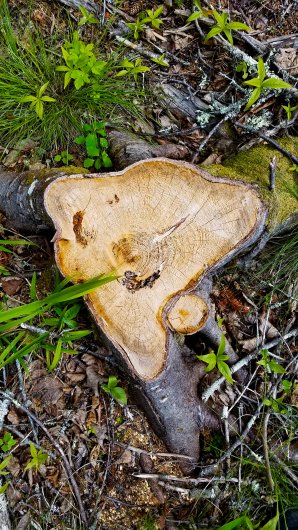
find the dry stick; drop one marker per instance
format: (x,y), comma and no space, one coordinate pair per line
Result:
(272,174)
(4,515)
(138,48)
(206,140)
(58,448)
(189,480)
(165,455)
(244,361)
(266,450)
(286,469)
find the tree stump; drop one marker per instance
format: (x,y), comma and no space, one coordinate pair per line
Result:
(163,226)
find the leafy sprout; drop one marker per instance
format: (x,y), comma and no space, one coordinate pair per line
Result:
(218,360)
(289,110)
(224,26)
(37,458)
(261,84)
(153,17)
(87,18)
(118,393)
(37,102)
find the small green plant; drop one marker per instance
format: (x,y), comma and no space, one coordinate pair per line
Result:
(261,84)
(96,143)
(37,458)
(218,360)
(289,110)
(241,523)
(81,65)
(270,364)
(65,157)
(117,392)
(198,13)
(87,18)
(287,386)
(223,26)
(3,465)
(294,167)
(132,69)
(37,102)
(153,17)
(242,67)
(137,27)
(7,442)
(160,60)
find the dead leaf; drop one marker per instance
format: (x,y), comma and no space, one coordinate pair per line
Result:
(13,417)
(48,389)
(13,466)
(125,458)
(12,285)
(92,379)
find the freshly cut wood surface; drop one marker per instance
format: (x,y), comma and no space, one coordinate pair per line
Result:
(162,225)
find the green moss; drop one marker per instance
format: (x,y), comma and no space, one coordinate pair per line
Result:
(253,166)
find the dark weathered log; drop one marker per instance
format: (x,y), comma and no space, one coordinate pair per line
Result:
(126,149)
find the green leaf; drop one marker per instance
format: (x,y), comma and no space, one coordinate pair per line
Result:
(238,524)
(253,98)
(214,31)
(275,82)
(97,163)
(194,16)
(276,367)
(48,99)
(43,89)
(261,69)
(272,524)
(57,356)
(92,145)
(88,162)
(112,382)
(4,488)
(27,99)
(57,158)
(225,371)
(238,26)
(80,140)
(119,394)
(210,359)
(219,18)
(104,143)
(222,345)
(4,464)
(39,109)
(228,34)
(107,162)
(75,335)
(253,82)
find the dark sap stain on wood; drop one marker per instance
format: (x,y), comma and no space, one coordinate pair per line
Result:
(77,222)
(114,200)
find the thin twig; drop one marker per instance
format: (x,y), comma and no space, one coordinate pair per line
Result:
(58,448)
(270,140)
(211,469)
(188,480)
